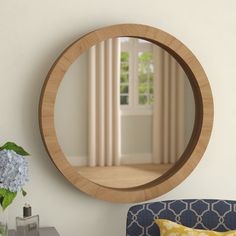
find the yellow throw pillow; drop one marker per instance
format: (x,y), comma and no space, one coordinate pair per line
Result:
(169,228)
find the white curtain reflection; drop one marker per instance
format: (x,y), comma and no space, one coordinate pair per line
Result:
(104,146)
(104,108)
(168,108)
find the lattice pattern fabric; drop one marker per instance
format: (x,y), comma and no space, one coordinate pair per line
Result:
(218,215)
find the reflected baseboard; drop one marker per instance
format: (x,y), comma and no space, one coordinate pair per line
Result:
(126,159)
(78,160)
(134,158)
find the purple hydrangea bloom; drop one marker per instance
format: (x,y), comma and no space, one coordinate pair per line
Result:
(13,170)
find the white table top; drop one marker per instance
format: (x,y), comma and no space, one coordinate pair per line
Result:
(47,231)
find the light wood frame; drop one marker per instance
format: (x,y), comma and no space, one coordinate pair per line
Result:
(203,118)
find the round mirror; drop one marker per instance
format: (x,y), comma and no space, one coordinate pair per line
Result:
(126,113)
(129,112)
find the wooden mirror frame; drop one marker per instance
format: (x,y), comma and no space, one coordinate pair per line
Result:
(203,117)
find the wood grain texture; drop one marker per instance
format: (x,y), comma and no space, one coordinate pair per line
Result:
(125,176)
(203,118)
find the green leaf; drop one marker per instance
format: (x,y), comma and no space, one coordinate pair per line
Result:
(2,230)
(8,199)
(2,192)
(24,193)
(12,146)
(1,200)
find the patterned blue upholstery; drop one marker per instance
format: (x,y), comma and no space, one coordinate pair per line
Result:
(219,215)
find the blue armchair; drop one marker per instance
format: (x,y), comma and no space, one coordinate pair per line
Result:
(219,215)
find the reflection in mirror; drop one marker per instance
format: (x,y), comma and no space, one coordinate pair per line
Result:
(124,112)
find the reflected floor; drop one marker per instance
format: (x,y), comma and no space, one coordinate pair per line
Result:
(124,176)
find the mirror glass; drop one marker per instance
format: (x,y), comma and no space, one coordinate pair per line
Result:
(124,112)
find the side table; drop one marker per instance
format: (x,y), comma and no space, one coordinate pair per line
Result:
(45,231)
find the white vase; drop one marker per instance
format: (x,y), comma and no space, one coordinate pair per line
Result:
(3,222)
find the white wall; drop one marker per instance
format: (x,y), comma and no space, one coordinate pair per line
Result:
(33,33)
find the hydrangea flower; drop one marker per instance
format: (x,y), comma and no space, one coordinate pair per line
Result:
(13,170)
